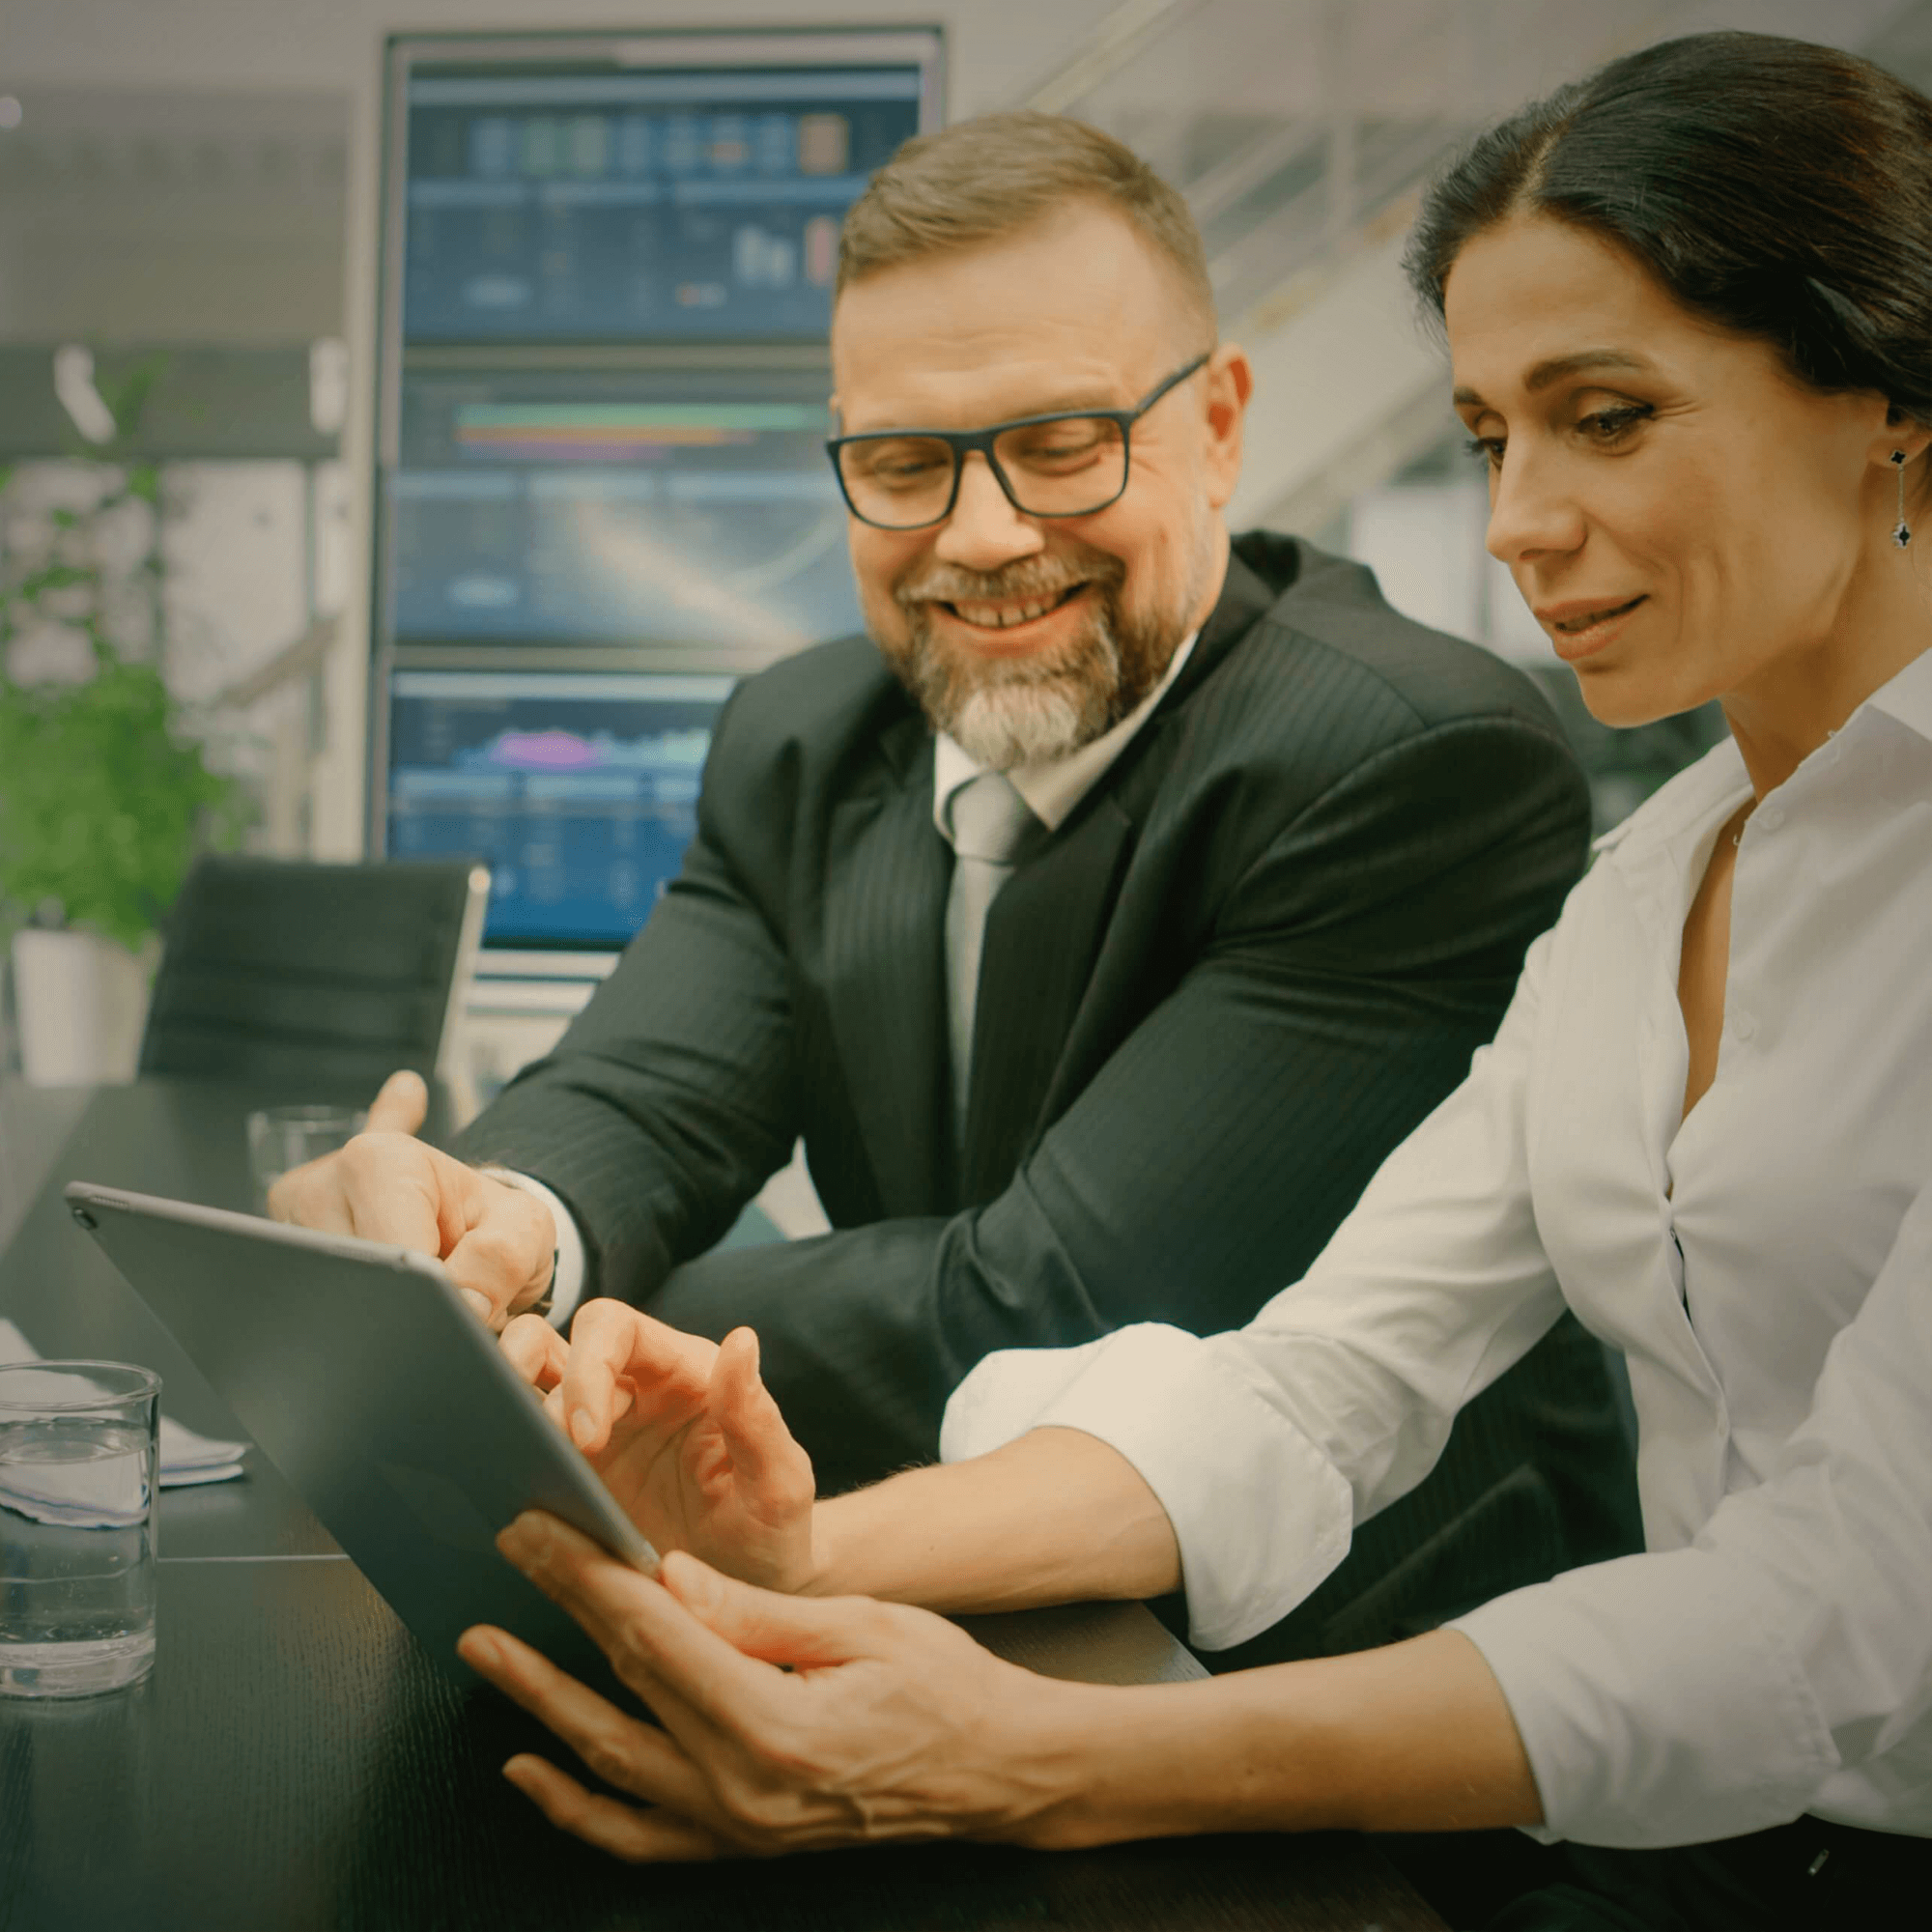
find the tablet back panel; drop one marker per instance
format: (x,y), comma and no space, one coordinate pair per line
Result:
(365,1380)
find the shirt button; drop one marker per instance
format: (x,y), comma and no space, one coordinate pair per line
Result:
(1769,818)
(1743,1026)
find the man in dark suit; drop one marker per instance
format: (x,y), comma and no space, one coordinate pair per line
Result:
(1099,923)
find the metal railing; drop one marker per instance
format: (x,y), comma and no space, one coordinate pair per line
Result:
(1297,128)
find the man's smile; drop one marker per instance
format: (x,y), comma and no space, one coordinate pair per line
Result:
(1004,615)
(1007,626)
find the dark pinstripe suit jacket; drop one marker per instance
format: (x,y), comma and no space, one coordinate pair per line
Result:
(1257,953)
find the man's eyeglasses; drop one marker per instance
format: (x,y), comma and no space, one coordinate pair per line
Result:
(1068,464)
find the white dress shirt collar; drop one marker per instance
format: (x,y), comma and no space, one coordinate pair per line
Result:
(1720,776)
(1052,787)
(1908,696)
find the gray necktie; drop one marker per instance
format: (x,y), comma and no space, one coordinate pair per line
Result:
(989,824)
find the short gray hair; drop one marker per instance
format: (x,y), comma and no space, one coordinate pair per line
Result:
(991,177)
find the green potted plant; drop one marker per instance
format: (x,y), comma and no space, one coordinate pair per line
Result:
(105,795)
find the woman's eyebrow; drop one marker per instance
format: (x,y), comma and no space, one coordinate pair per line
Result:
(1557,367)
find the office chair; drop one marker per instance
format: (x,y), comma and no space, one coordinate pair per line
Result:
(313,975)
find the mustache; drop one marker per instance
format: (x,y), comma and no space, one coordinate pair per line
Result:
(1025,577)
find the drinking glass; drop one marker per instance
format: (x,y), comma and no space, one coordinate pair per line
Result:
(77,1469)
(281,1139)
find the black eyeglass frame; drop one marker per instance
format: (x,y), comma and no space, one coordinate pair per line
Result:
(960,441)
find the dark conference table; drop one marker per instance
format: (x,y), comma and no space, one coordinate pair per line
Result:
(296,1763)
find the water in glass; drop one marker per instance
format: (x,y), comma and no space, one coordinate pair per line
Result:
(76,1554)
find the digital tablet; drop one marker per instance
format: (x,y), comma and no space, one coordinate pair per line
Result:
(364,1377)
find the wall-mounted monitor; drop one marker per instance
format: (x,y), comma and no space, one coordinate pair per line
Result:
(601,489)
(580,791)
(667,202)
(632,189)
(678,509)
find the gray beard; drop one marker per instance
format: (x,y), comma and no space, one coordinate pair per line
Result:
(1033,710)
(1013,717)
(1030,725)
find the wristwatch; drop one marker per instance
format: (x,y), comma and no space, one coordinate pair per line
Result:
(541,1305)
(510,1177)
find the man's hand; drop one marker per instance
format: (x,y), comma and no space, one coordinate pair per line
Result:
(885,1723)
(685,1436)
(386,1185)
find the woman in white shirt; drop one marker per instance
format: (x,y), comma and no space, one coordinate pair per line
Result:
(1689,303)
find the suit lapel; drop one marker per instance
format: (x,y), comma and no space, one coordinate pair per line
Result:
(888,873)
(1048,924)
(888,870)
(1245,597)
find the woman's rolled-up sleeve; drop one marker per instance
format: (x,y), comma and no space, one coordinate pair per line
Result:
(1717,1690)
(1265,1444)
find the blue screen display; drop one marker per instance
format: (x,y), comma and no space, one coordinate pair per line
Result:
(617,507)
(638,206)
(580,791)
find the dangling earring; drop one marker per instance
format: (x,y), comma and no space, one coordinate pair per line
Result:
(1902,535)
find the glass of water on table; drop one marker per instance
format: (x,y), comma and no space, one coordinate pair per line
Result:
(282,1139)
(77,1475)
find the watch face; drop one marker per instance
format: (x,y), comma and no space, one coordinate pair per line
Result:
(541,1305)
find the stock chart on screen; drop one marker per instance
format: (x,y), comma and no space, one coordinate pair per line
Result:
(580,791)
(617,508)
(613,206)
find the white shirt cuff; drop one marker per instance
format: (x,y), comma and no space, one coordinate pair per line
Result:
(566,1286)
(1260,1514)
(1655,1703)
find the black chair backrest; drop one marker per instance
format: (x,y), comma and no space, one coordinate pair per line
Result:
(335,975)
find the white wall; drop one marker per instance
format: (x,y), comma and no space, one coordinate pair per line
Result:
(1425,542)
(177,216)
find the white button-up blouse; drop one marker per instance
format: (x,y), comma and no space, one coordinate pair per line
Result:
(1764,1266)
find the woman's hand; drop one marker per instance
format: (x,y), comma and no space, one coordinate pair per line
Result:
(884,1723)
(684,1434)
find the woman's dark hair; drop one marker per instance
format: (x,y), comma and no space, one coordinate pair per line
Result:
(1781,189)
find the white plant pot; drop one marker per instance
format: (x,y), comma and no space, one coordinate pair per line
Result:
(80,1001)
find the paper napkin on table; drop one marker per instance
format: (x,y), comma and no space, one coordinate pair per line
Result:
(185,1457)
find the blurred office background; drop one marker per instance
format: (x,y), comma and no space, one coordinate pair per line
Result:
(195,203)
